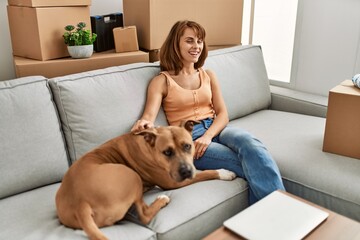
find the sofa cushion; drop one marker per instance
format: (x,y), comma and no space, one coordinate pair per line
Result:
(190,208)
(99,105)
(295,141)
(243,79)
(32,147)
(32,216)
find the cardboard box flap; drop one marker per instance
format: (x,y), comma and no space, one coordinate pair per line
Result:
(126,39)
(47,3)
(346,87)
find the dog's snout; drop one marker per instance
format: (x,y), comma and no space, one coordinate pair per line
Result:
(185,171)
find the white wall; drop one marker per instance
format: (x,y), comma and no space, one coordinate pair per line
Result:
(103,7)
(327,45)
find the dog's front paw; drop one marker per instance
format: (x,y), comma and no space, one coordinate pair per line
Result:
(164,198)
(226,174)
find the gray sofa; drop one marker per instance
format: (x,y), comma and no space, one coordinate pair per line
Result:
(46,124)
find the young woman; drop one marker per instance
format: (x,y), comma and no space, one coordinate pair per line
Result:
(186,91)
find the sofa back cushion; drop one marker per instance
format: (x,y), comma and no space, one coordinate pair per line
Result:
(98,105)
(32,148)
(243,79)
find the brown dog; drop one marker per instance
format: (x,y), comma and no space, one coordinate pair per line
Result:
(100,187)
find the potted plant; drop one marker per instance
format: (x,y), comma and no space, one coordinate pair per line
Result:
(79,40)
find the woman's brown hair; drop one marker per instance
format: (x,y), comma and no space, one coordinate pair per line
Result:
(170,57)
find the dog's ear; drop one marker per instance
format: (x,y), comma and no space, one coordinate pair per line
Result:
(149,135)
(189,124)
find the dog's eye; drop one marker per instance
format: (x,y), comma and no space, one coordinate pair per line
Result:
(168,152)
(187,147)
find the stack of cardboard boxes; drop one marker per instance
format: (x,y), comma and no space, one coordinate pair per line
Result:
(37,26)
(153,19)
(36,29)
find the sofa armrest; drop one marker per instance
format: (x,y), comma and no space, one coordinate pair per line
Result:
(284,99)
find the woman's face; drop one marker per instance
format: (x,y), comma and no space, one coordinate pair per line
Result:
(190,46)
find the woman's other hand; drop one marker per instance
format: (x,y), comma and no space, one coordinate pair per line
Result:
(201,144)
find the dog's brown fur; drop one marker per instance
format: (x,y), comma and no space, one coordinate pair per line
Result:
(100,187)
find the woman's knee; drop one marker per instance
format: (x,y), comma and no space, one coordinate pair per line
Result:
(234,134)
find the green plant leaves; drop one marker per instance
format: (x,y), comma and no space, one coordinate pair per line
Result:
(78,36)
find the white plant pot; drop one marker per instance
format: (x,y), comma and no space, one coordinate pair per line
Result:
(83,51)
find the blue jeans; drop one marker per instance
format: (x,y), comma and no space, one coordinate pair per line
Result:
(237,150)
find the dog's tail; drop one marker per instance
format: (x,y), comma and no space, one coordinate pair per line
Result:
(85,217)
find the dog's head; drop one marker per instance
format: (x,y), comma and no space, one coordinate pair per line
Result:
(173,148)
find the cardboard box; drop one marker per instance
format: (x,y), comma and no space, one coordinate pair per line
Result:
(59,67)
(125,39)
(47,3)
(154,55)
(342,130)
(222,19)
(37,32)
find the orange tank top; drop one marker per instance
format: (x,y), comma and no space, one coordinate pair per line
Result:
(184,104)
